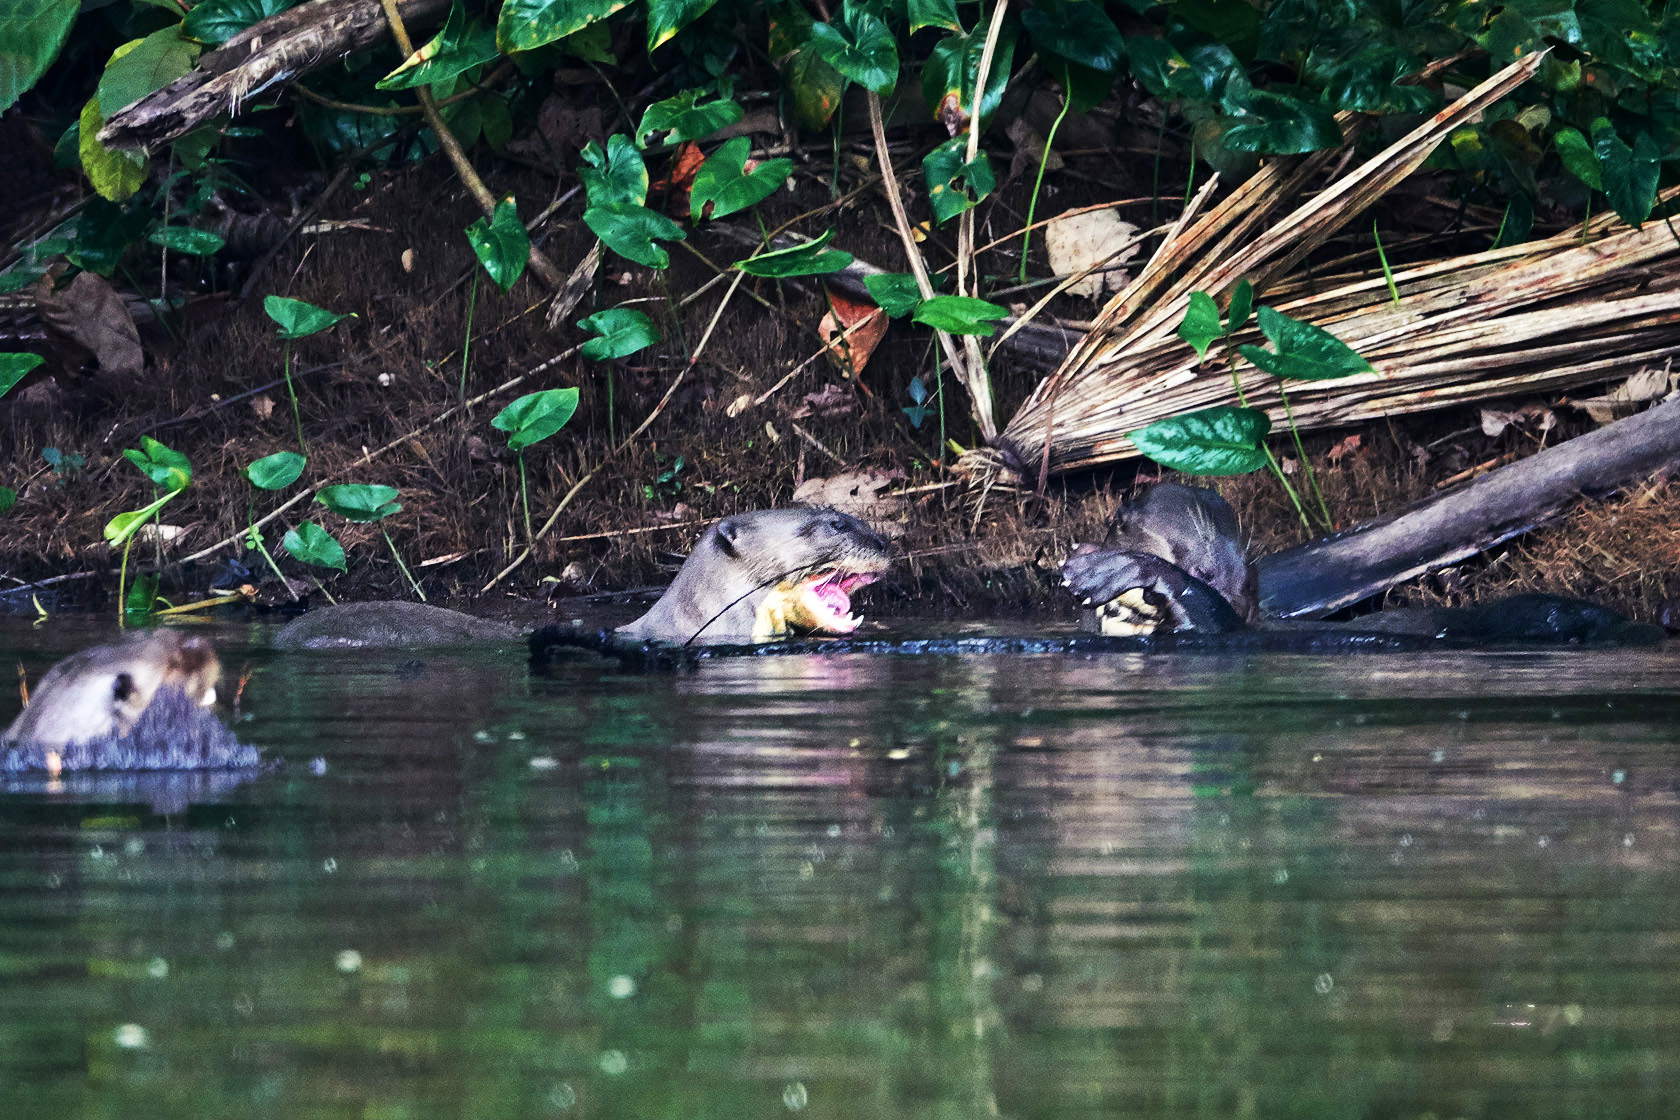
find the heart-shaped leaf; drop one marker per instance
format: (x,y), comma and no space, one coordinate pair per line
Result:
(165,466)
(630,231)
(950,72)
(809,259)
(125,525)
(14,367)
(501,244)
(1201,325)
(724,182)
(314,545)
(1214,441)
(462,44)
(952,185)
(1304,352)
(214,22)
(683,118)
(860,46)
(897,293)
(33,31)
(617,174)
(144,65)
(1242,306)
(298,319)
(622,331)
(277,471)
(360,501)
(185,239)
(525,25)
(667,17)
(536,416)
(960,315)
(1630,174)
(114,173)
(1075,31)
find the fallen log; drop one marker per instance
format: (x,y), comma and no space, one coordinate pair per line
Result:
(278,50)
(1314,579)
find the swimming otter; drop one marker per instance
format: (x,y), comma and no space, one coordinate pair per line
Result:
(101,692)
(387,624)
(1173,560)
(756,576)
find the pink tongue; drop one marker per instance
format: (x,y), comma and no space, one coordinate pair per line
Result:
(832,596)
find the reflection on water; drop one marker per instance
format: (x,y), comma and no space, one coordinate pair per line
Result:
(1392,885)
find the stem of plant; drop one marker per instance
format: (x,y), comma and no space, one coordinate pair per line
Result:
(1388,273)
(1271,460)
(412,582)
(612,427)
(256,540)
(676,319)
(1312,476)
(525,500)
(466,343)
(1044,158)
(122,587)
(291,390)
(323,591)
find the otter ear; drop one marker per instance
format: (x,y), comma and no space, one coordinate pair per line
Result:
(727,532)
(122,687)
(196,655)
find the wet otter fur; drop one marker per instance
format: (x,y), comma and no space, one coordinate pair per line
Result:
(390,624)
(755,577)
(138,704)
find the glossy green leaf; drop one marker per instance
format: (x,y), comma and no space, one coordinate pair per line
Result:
(1075,31)
(724,182)
(185,239)
(501,244)
(860,46)
(1368,82)
(216,21)
(314,545)
(1577,156)
(952,185)
(615,175)
(1214,441)
(14,367)
(814,86)
(950,72)
(684,117)
(31,34)
(630,231)
(667,17)
(359,501)
(8,499)
(960,315)
(527,24)
(114,174)
(1277,124)
(144,65)
(125,525)
(298,319)
(536,416)
(461,45)
(897,293)
(1201,326)
(1304,352)
(1630,174)
(809,259)
(1170,75)
(277,471)
(1242,306)
(140,604)
(165,466)
(933,13)
(622,331)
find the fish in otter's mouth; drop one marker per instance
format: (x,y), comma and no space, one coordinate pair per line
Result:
(820,601)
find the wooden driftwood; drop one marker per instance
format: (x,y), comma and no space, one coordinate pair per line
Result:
(1313,579)
(278,50)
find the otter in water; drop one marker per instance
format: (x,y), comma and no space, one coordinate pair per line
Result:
(754,577)
(1173,560)
(390,624)
(101,692)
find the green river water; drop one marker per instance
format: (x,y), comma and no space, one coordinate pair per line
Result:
(1388,885)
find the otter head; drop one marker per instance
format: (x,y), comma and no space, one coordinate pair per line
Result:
(757,576)
(1195,529)
(103,691)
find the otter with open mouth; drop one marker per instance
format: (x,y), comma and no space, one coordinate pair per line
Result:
(756,577)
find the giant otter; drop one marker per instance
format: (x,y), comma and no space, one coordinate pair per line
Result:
(141,703)
(758,576)
(393,623)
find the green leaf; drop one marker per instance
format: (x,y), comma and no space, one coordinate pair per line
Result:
(667,17)
(1201,326)
(216,21)
(1242,306)
(630,231)
(114,174)
(501,244)
(960,315)
(809,259)
(125,525)
(165,466)
(1304,352)
(615,175)
(536,416)
(1577,156)
(814,85)
(140,604)
(185,239)
(622,331)
(860,46)
(1202,75)
(527,24)
(952,185)
(723,181)
(1367,82)
(298,319)
(1277,124)
(683,118)
(314,545)
(359,501)
(144,65)
(277,471)
(896,292)
(1630,174)
(950,72)
(460,46)
(1214,441)
(933,13)
(31,34)
(8,499)
(1075,31)
(14,367)
(104,232)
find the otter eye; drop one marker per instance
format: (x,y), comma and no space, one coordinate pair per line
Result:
(837,523)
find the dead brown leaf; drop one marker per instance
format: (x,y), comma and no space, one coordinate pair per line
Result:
(90,313)
(866,323)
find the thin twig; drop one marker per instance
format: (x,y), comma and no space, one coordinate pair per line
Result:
(815,442)
(825,348)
